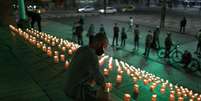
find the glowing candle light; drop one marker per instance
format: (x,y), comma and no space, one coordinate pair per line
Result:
(63,49)
(136,89)
(105,72)
(119,79)
(198,99)
(154,97)
(49,53)
(172,97)
(62,58)
(108,86)
(66,65)
(162,90)
(179,94)
(146,82)
(56,53)
(127,97)
(180,99)
(56,59)
(70,52)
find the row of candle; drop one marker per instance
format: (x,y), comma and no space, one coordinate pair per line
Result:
(137,74)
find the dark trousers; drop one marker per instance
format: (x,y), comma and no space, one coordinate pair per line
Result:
(38,23)
(156,44)
(123,42)
(80,40)
(91,38)
(115,37)
(136,44)
(182,29)
(167,52)
(147,50)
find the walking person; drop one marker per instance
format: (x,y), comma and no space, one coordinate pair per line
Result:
(79,30)
(131,22)
(148,43)
(156,43)
(116,34)
(168,45)
(91,33)
(183,25)
(198,49)
(123,37)
(136,37)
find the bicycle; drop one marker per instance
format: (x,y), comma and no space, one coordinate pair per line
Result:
(174,53)
(195,64)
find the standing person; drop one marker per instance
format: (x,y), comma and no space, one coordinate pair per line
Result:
(136,37)
(116,34)
(84,81)
(74,31)
(148,43)
(81,21)
(168,45)
(35,17)
(198,49)
(123,37)
(102,29)
(186,58)
(156,43)
(131,22)
(79,30)
(183,25)
(91,33)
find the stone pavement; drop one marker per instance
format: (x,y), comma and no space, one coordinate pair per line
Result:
(153,64)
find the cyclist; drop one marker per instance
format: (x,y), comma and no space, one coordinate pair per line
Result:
(198,50)
(168,44)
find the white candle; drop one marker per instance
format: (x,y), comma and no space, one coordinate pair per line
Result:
(62,57)
(172,98)
(127,97)
(105,72)
(66,64)
(154,97)
(136,89)
(56,59)
(70,52)
(180,99)
(119,79)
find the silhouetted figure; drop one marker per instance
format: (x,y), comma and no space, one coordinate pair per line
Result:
(74,31)
(183,25)
(79,31)
(148,43)
(84,81)
(186,59)
(131,22)
(116,34)
(136,37)
(91,33)
(35,17)
(168,45)
(123,37)
(81,21)
(198,49)
(156,43)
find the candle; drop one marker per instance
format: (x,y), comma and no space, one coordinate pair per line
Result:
(119,79)
(49,53)
(56,59)
(152,87)
(127,97)
(179,94)
(146,82)
(198,99)
(44,48)
(105,72)
(108,86)
(154,97)
(56,53)
(172,98)
(180,99)
(162,90)
(136,89)
(62,57)
(63,49)
(70,52)
(66,64)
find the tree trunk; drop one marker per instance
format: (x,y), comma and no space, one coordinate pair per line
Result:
(163,14)
(6,17)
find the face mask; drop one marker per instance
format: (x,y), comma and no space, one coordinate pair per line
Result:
(99,51)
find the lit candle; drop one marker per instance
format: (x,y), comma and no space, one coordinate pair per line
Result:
(66,64)
(119,79)
(127,97)
(63,49)
(108,86)
(105,72)
(198,99)
(162,90)
(136,89)
(49,53)
(146,82)
(56,53)
(180,99)
(62,57)
(70,52)
(56,59)
(172,98)
(154,97)
(179,94)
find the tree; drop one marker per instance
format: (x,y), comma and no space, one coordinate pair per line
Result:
(163,14)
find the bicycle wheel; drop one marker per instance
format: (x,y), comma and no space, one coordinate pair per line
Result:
(177,56)
(161,53)
(194,65)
